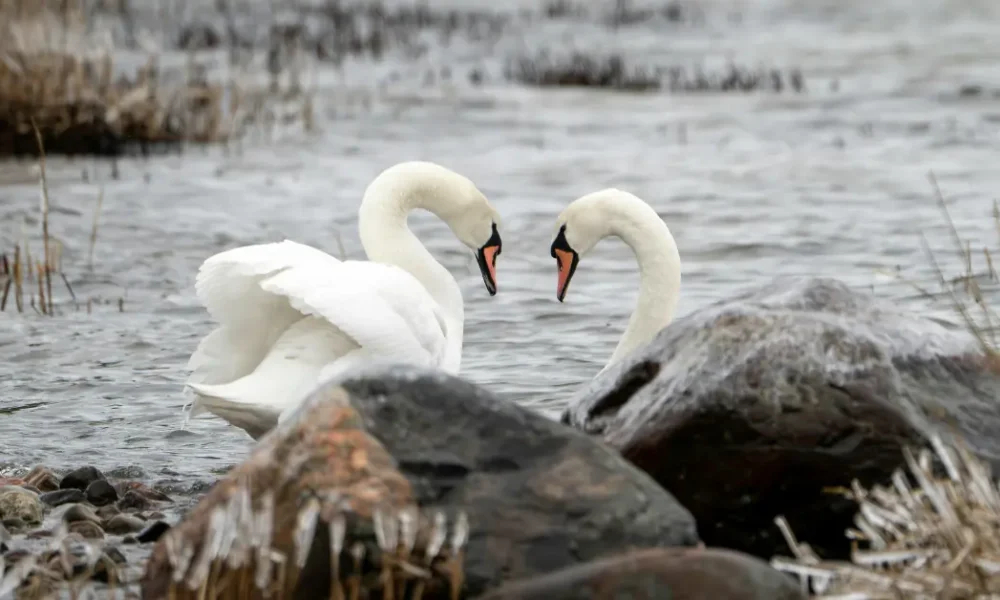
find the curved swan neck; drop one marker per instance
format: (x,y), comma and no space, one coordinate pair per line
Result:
(387,238)
(641,228)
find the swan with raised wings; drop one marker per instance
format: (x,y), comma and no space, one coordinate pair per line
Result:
(615,213)
(290,316)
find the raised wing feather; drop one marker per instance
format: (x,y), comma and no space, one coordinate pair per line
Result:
(256,292)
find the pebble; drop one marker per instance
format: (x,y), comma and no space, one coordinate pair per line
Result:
(87,529)
(19,503)
(122,524)
(123,487)
(80,512)
(100,493)
(106,512)
(81,478)
(60,497)
(14,525)
(133,500)
(42,478)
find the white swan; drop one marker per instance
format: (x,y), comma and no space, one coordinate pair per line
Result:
(611,212)
(291,316)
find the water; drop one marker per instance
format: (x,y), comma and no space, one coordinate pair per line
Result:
(829,182)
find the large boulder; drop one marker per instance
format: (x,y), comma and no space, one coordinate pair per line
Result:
(537,495)
(659,573)
(763,404)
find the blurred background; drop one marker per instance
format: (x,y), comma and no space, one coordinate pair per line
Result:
(774,137)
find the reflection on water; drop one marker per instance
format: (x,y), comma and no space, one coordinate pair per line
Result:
(829,182)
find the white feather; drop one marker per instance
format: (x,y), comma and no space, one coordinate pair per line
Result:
(288,314)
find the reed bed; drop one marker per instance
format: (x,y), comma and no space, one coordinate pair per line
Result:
(58,73)
(932,535)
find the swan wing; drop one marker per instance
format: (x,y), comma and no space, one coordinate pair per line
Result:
(256,292)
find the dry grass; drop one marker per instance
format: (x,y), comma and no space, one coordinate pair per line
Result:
(931,536)
(59,73)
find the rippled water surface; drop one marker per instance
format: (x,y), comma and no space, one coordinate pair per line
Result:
(832,181)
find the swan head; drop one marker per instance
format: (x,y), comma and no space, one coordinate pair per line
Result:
(454,198)
(477,225)
(586,221)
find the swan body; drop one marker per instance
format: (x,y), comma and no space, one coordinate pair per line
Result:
(290,316)
(615,213)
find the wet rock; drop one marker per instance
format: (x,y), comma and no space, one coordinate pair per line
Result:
(133,501)
(11,481)
(108,511)
(153,532)
(122,524)
(60,497)
(19,503)
(141,489)
(668,573)
(5,537)
(87,529)
(14,524)
(540,496)
(129,472)
(80,478)
(42,478)
(80,512)
(100,493)
(326,456)
(755,406)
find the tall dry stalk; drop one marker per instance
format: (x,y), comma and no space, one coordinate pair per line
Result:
(45,219)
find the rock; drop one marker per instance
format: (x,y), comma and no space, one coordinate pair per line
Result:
(100,493)
(140,489)
(80,512)
(325,455)
(107,512)
(42,478)
(19,503)
(11,481)
(541,496)
(668,573)
(14,524)
(754,407)
(80,478)
(60,497)
(122,524)
(153,532)
(538,496)
(133,501)
(87,529)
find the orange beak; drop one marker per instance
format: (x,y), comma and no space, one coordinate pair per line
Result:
(487,259)
(566,261)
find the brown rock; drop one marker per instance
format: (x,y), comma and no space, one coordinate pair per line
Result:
(87,529)
(659,574)
(325,455)
(756,406)
(43,478)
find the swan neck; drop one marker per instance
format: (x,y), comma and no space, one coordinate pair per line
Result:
(386,238)
(659,280)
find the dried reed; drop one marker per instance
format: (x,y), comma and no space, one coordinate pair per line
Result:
(939,538)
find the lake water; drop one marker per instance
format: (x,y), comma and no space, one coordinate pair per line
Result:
(831,181)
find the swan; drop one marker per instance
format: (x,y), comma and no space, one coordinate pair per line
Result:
(290,316)
(615,213)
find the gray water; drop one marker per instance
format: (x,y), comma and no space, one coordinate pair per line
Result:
(829,182)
